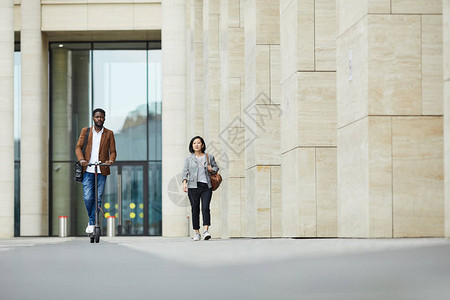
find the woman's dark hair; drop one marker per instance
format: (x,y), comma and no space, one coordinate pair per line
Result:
(98,110)
(191,149)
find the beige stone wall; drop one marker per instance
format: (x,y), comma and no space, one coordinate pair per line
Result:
(325,116)
(82,15)
(34,123)
(231,157)
(308,122)
(389,119)
(446,41)
(7,118)
(195,69)
(261,120)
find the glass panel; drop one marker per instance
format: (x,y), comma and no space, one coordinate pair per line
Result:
(154,104)
(132,200)
(67,198)
(154,199)
(120,88)
(127,84)
(70,84)
(62,178)
(17,100)
(17,89)
(81,92)
(78,218)
(16,199)
(120,46)
(70,111)
(110,204)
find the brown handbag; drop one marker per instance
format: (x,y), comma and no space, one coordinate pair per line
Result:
(216,179)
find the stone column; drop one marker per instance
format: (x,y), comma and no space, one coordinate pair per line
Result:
(232,67)
(262,206)
(7,119)
(390,127)
(308,124)
(174,139)
(211,95)
(446,36)
(195,116)
(34,123)
(195,70)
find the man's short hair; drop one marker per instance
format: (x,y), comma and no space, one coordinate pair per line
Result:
(98,110)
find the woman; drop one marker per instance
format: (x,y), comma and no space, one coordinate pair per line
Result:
(197,183)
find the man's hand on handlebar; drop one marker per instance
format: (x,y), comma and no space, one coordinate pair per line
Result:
(83,163)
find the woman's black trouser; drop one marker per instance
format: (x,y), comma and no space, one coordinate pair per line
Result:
(203,193)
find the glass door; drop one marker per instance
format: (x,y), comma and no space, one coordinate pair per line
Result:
(126,198)
(125,80)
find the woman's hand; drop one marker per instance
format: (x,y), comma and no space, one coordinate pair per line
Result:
(210,169)
(185,188)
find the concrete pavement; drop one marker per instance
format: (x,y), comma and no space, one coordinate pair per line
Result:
(178,268)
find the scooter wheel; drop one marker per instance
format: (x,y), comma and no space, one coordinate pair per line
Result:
(97,234)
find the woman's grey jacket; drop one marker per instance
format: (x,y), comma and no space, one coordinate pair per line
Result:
(190,170)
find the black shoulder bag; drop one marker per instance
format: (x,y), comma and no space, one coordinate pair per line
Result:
(78,167)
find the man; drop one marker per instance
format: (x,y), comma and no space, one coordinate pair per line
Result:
(100,147)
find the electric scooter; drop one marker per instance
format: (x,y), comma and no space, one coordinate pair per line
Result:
(95,235)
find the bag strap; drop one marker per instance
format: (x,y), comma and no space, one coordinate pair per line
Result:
(85,140)
(207,161)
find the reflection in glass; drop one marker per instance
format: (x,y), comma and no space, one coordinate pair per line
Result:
(132,200)
(154,195)
(70,112)
(121,46)
(125,80)
(154,104)
(17,88)
(70,100)
(66,190)
(110,201)
(17,99)
(120,88)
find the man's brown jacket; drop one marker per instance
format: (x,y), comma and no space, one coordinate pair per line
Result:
(107,150)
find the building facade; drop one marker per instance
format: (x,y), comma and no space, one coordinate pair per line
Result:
(328,118)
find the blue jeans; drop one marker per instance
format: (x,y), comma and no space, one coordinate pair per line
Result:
(88,193)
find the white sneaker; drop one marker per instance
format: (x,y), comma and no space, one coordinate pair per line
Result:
(197,237)
(90,228)
(206,235)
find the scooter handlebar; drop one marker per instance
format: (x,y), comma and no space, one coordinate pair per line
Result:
(98,164)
